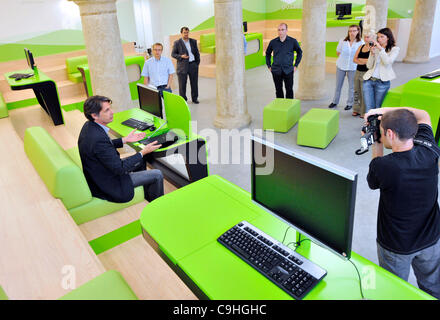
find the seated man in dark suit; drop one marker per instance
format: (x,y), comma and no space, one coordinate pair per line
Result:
(108,176)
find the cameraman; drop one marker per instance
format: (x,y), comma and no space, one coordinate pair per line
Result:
(408,222)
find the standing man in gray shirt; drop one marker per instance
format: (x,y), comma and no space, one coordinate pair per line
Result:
(187,54)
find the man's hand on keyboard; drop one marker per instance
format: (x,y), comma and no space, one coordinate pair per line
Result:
(134,137)
(150,148)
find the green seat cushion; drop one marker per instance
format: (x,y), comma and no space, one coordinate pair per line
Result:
(3,107)
(318,127)
(73,63)
(63,178)
(207,42)
(72,68)
(75,77)
(3,295)
(281,114)
(97,208)
(107,286)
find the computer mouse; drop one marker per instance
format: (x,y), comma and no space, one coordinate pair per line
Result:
(152,128)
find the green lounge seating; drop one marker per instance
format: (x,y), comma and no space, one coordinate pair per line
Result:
(255,59)
(281,114)
(318,127)
(107,286)
(3,295)
(207,43)
(62,173)
(72,68)
(3,107)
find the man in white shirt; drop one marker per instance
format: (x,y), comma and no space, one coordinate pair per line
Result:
(158,71)
(187,54)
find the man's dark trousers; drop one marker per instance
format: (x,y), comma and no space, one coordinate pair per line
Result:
(193,74)
(278,79)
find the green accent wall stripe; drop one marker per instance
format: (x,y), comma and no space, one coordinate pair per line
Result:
(116,237)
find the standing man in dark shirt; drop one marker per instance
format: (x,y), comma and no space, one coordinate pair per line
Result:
(282,68)
(187,54)
(408,222)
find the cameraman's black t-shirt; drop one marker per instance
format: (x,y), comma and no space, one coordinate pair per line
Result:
(408,216)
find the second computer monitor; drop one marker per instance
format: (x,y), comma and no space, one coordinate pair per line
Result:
(343,9)
(29,58)
(150,100)
(313,196)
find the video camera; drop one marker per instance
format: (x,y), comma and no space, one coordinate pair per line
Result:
(371,133)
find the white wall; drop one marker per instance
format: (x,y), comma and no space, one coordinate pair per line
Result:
(24,19)
(435,39)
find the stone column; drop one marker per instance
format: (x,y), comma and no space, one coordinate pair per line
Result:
(419,43)
(311,69)
(229,49)
(376,12)
(104,51)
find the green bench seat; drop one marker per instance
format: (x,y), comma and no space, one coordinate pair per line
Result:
(61,171)
(107,286)
(318,127)
(281,114)
(207,42)
(72,68)
(3,107)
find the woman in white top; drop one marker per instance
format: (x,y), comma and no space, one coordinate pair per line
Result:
(380,69)
(345,66)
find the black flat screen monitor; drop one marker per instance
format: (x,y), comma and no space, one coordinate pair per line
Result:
(313,196)
(343,9)
(150,100)
(29,58)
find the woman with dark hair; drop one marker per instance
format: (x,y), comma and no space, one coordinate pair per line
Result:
(377,79)
(345,65)
(361,58)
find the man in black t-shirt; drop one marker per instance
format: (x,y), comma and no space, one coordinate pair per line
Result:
(408,222)
(283,48)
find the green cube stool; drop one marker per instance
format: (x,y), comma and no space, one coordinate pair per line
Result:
(318,127)
(281,114)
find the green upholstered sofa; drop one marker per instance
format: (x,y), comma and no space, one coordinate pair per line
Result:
(207,43)
(72,68)
(3,107)
(62,173)
(108,286)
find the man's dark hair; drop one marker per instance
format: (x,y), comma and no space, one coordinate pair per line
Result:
(93,104)
(402,122)
(184,28)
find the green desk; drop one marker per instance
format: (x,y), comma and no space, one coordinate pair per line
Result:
(45,90)
(192,148)
(183,226)
(421,94)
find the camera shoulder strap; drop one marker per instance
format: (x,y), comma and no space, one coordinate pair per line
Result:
(425,143)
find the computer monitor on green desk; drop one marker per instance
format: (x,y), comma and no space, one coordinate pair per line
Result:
(150,100)
(311,195)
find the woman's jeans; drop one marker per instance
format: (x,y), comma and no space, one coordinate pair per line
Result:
(340,76)
(374,91)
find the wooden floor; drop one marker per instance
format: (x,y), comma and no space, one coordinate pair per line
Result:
(38,238)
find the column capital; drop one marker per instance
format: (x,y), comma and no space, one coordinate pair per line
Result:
(95,7)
